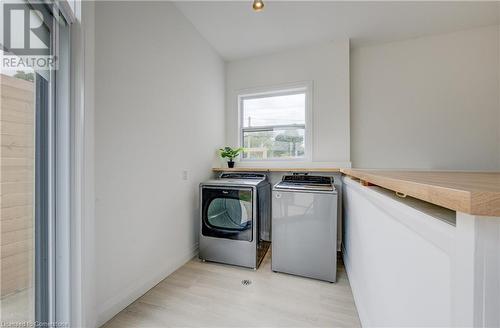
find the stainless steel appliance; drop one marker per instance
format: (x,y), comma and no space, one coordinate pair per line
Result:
(304,226)
(235,219)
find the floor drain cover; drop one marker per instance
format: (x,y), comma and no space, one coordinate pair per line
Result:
(246,282)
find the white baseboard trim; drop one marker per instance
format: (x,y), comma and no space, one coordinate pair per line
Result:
(117,303)
(356,292)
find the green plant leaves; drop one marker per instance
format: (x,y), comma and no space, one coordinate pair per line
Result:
(230,153)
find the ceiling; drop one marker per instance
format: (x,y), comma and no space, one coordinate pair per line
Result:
(236,31)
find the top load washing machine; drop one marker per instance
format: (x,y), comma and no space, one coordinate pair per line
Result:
(235,225)
(305,227)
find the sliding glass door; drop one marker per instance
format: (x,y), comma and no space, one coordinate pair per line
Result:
(33,109)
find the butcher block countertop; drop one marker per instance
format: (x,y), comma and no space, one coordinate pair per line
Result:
(476,193)
(278,169)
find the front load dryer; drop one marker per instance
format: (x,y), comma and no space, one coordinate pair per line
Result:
(235,223)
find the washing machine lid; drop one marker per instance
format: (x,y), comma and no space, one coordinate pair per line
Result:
(305,182)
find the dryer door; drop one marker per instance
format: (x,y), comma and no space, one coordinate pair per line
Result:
(227,213)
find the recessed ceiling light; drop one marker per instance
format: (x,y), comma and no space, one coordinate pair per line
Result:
(258,5)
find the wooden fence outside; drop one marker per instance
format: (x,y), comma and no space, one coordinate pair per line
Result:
(17,118)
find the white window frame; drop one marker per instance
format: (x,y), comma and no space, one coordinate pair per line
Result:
(277,90)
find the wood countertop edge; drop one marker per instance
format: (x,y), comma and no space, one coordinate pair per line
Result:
(474,202)
(278,169)
(482,203)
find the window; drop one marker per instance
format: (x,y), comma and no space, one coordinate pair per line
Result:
(274,125)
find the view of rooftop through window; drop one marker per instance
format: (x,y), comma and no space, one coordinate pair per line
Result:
(273,125)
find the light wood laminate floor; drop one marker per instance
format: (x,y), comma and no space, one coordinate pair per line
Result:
(203,294)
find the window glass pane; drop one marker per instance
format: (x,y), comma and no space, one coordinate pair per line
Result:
(274,110)
(18,107)
(276,143)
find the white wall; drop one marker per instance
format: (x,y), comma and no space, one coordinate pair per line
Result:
(427,103)
(159,111)
(327,65)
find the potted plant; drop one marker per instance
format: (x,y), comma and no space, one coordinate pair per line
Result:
(230,154)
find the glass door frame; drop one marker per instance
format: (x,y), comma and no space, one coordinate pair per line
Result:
(52,178)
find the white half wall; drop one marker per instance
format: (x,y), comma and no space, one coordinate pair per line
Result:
(413,264)
(399,260)
(327,66)
(159,116)
(427,103)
